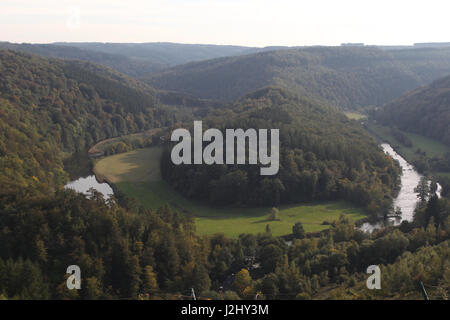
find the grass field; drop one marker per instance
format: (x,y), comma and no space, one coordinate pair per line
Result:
(137,174)
(136,165)
(443,174)
(355,115)
(432,147)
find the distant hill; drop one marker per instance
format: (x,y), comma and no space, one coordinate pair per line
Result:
(163,53)
(349,77)
(424,111)
(136,60)
(127,65)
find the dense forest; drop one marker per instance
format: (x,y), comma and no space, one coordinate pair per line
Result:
(425,111)
(164,53)
(50,109)
(133,59)
(349,77)
(127,252)
(323,156)
(121,63)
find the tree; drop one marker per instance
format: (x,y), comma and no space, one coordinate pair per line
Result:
(242,280)
(423,189)
(434,210)
(274,214)
(269,285)
(231,295)
(270,256)
(93,289)
(150,280)
(200,278)
(298,231)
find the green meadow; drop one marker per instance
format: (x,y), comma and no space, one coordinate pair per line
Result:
(355,115)
(431,147)
(137,174)
(134,166)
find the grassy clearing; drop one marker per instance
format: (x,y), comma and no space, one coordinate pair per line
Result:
(432,147)
(443,174)
(137,174)
(136,165)
(355,115)
(234,221)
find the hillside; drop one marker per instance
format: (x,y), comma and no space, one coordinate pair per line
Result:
(52,108)
(163,53)
(349,77)
(424,111)
(133,59)
(127,65)
(323,156)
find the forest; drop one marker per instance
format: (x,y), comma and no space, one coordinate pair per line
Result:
(132,59)
(52,108)
(127,252)
(347,77)
(423,111)
(323,156)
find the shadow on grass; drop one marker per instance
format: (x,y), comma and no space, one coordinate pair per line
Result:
(134,166)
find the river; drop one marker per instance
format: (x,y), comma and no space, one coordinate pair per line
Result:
(439,190)
(83,185)
(406,199)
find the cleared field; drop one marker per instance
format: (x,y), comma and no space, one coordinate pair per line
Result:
(355,115)
(432,147)
(443,174)
(136,165)
(137,174)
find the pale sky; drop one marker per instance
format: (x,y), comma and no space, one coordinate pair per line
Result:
(239,22)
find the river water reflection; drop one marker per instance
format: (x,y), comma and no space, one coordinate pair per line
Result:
(83,185)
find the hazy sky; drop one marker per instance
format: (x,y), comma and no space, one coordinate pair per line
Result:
(239,22)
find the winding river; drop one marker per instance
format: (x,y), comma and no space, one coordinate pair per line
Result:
(83,185)
(407,198)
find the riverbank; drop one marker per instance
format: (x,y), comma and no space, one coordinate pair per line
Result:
(420,145)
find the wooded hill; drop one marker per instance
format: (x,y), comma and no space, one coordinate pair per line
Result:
(163,53)
(52,108)
(425,111)
(349,77)
(133,59)
(121,63)
(323,156)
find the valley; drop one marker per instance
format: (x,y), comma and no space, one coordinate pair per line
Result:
(169,228)
(429,147)
(137,174)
